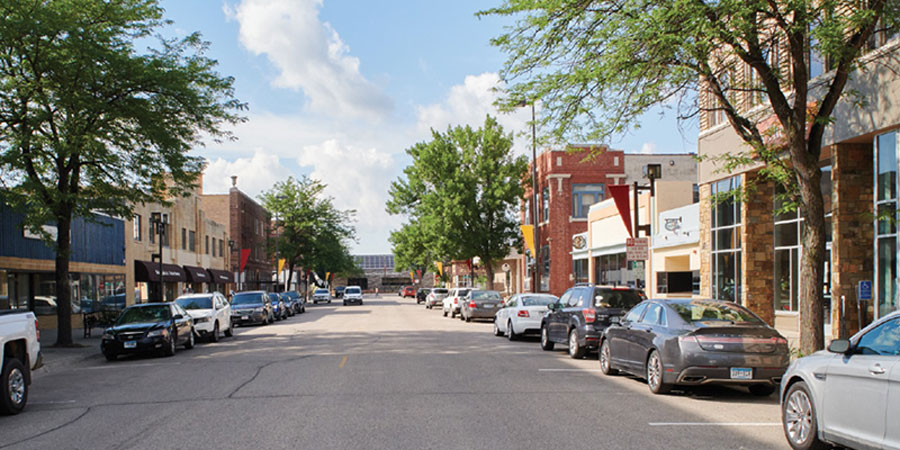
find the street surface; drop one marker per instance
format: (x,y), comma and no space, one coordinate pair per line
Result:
(386,375)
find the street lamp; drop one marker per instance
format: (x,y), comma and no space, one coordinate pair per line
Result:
(653,172)
(160,221)
(537,239)
(231,256)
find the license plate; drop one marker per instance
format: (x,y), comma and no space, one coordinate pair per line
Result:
(740,373)
(130,344)
(245,317)
(487,305)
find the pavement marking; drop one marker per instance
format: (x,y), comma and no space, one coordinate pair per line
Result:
(343,361)
(61,402)
(714,424)
(125,366)
(569,370)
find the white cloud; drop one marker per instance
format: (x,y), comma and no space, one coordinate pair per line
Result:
(648,147)
(255,174)
(469,103)
(310,56)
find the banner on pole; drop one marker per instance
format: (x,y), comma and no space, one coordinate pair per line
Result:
(245,255)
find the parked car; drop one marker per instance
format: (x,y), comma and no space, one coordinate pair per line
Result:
(288,303)
(581,315)
(321,295)
(422,294)
(339,291)
(435,297)
(353,294)
(279,309)
(692,342)
(299,301)
(20,353)
(408,291)
(522,314)
(149,327)
(251,307)
(211,314)
(480,304)
(848,395)
(450,303)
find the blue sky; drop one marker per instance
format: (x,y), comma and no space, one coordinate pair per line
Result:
(338,90)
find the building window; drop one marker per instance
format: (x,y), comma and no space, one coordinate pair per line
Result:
(581,270)
(192,241)
(207,244)
(221,248)
(585,195)
(545,204)
(545,268)
(137,227)
(726,240)
(214,247)
(886,226)
(696,193)
(184,238)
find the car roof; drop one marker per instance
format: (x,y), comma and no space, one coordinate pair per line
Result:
(199,295)
(250,292)
(149,305)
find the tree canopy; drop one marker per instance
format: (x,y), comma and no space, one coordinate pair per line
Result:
(90,123)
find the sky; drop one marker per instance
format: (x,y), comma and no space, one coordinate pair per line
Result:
(338,90)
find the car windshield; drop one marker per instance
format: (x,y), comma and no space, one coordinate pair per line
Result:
(538,300)
(274,298)
(616,298)
(462,292)
(485,295)
(293,295)
(246,299)
(713,311)
(195,302)
(352,291)
(145,314)
(321,291)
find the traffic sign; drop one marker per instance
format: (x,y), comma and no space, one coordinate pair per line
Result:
(637,249)
(864,290)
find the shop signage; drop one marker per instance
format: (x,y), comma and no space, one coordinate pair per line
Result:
(637,249)
(49,229)
(579,242)
(505,267)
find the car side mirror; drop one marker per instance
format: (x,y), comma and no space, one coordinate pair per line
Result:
(178,317)
(840,346)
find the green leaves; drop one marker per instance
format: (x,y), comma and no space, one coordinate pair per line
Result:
(461,193)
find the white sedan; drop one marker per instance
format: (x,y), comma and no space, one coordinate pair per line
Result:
(522,314)
(211,314)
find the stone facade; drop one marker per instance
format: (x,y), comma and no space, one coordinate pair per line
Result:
(757,255)
(705,241)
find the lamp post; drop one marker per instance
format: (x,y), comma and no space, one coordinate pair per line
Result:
(534,218)
(653,172)
(231,255)
(160,221)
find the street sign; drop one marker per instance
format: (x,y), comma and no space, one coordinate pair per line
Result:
(637,249)
(637,270)
(864,290)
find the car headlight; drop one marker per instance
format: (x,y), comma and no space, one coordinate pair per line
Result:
(109,335)
(259,310)
(161,332)
(201,319)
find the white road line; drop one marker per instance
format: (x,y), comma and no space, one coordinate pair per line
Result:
(125,366)
(569,370)
(62,402)
(714,424)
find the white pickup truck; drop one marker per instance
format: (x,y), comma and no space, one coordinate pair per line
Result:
(20,353)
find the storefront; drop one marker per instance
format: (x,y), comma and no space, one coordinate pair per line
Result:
(198,279)
(220,280)
(886,165)
(674,253)
(147,278)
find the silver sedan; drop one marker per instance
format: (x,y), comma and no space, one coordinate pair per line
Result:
(848,395)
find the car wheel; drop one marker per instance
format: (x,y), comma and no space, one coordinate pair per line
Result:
(315,302)
(214,337)
(15,387)
(445,312)
(798,417)
(170,349)
(605,359)
(230,331)
(655,374)
(576,351)
(452,314)
(510,332)
(546,343)
(329,302)
(468,318)
(190,342)
(761,390)
(497,331)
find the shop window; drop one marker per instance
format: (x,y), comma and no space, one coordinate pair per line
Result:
(886,223)
(580,268)
(726,240)
(14,291)
(585,195)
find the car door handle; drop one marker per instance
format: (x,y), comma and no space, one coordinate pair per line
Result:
(877,370)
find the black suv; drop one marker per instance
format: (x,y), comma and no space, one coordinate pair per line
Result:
(582,313)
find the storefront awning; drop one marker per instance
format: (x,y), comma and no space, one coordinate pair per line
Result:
(147,271)
(197,275)
(221,276)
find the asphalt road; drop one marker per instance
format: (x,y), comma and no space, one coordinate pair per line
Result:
(389,374)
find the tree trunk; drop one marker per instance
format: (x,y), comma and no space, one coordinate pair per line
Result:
(811,298)
(63,291)
(489,270)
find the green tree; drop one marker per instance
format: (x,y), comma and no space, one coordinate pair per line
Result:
(90,123)
(597,67)
(411,249)
(313,234)
(462,191)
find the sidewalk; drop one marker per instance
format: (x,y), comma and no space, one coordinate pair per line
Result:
(60,358)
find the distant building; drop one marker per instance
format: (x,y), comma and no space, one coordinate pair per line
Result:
(378,273)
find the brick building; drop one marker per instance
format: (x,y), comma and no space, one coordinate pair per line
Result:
(567,186)
(248,226)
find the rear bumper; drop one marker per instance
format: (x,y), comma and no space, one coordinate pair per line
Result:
(722,375)
(481,313)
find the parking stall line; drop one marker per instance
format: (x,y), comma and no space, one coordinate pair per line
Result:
(714,424)
(569,370)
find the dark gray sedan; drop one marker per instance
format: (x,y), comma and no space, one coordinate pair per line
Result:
(480,304)
(692,342)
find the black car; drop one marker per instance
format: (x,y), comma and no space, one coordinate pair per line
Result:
(692,342)
(278,306)
(299,301)
(582,313)
(289,305)
(421,294)
(251,307)
(339,291)
(151,327)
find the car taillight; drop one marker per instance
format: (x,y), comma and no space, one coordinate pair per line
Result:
(455,300)
(523,313)
(37,331)
(472,305)
(589,315)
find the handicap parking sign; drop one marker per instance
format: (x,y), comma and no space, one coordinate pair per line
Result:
(864,290)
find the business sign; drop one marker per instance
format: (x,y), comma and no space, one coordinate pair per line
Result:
(637,249)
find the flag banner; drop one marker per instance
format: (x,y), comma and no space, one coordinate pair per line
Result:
(327,276)
(418,273)
(619,193)
(528,236)
(245,255)
(440,267)
(281,265)
(411,277)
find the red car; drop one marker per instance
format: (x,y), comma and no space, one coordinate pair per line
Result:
(408,291)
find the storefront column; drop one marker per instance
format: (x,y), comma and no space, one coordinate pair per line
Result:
(853,235)
(757,258)
(705,241)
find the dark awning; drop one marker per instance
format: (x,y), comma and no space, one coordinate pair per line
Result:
(221,276)
(197,275)
(149,271)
